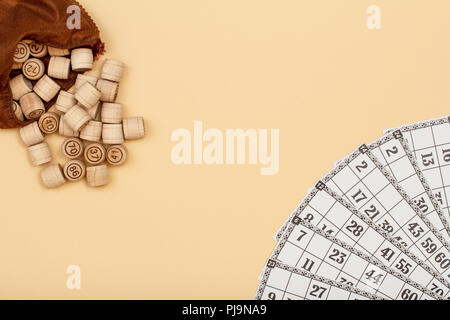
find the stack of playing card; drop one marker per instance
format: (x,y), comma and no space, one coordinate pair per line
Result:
(375,227)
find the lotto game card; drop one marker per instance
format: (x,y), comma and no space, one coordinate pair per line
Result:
(282,282)
(363,181)
(429,142)
(335,216)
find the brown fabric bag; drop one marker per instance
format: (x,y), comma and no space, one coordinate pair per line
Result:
(44,21)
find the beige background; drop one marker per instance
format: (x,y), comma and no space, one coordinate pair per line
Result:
(310,68)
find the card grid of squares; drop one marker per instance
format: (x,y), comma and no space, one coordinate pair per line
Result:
(377,226)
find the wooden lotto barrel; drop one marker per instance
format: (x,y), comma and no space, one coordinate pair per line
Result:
(112,112)
(72,148)
(40,154)
(112,133)
(97,176)
(92,131)
(20,86)
(87,95)
(112,70)
(52,176)
(31,134)
(65,101)
(77,117)
(133,128)
(46,88)
(74,170)
(59,68)
(82,59)
(49,122)
(32,106)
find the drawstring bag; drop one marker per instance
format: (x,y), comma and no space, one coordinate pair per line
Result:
(50,22)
